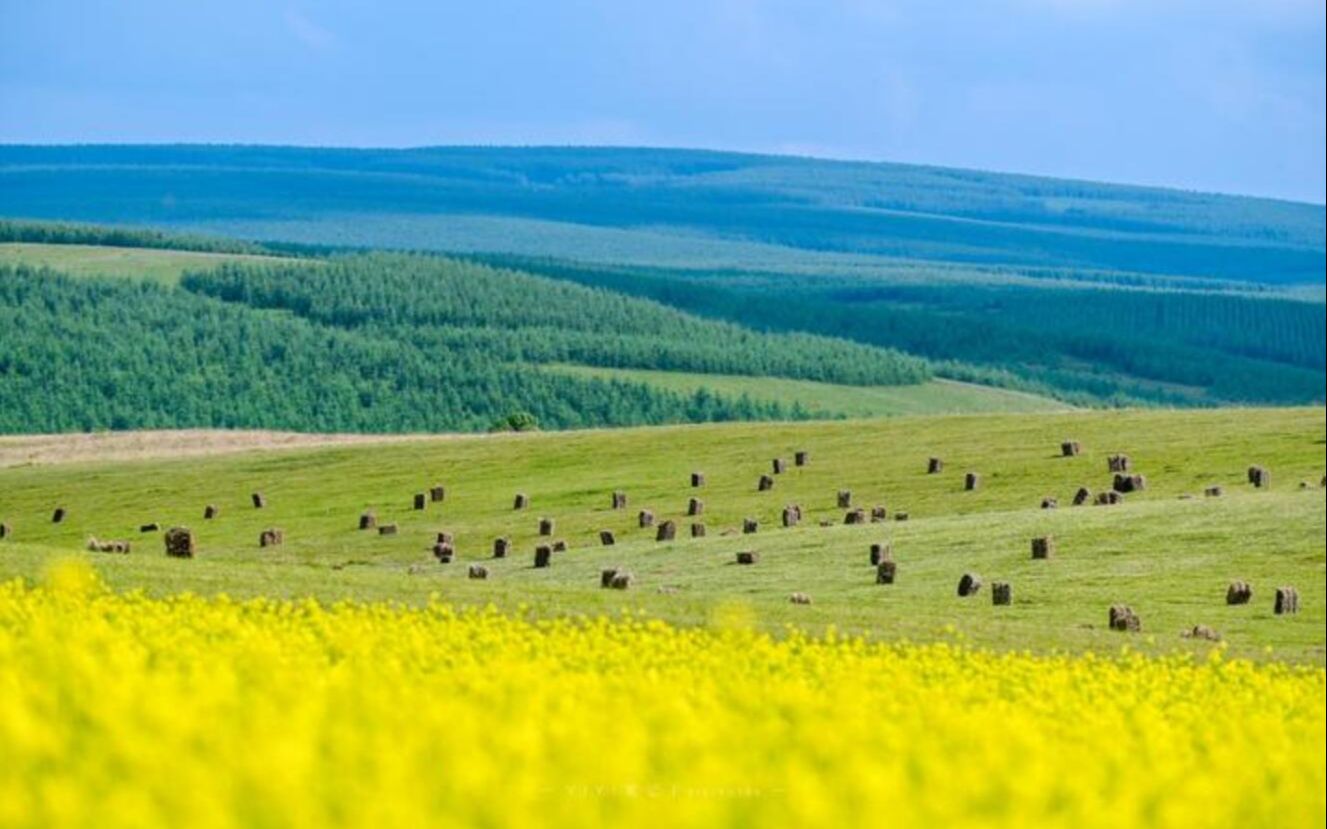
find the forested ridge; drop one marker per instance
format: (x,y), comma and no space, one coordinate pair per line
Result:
(514,317)
(1085,343)
(87,354)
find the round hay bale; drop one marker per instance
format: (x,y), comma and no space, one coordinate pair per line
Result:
(1043,547)
(886,571)
(180,542)
(748,557)
(799,598)
(969,585)
(501,547)
(1001,593)
(477,571)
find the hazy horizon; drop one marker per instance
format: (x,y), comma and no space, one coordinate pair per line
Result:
(1221,97)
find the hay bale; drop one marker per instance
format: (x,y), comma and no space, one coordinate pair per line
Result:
(1287,601)
(844,498)
(886,571)
(501,546)
(1108,498)
(368,520)
(58,516)
(1202,632)
(748,557)
(971,481)
(779,466)
(881,551)
(559,546)
(477,571)
(1118,463)
(1071,448)
(545,526)
(878,514)
(799,598)
(1043,547)
(1260,477)
(621,580)
(520,501)
(934,466)
(619,500)
(801,457)
(1001,593)
(606,577)
(149,528)
(1129,483)
(387,529)
(855,516)
(1239,592)
(606,538)
(1082,496)
(695,506)
(969,585)
(697,479)
(667,531)
(697,530)
(901,516)
(421,500)
(259,500)
(750,525)
(271,537)
(444,553)
(1122,617)
(96,546)
(180,542)
(1214,491)
(6,530)
(792,515)
(437,493)
(765,484)
(645,519)
(211,511)
(1050,503)
(543,556)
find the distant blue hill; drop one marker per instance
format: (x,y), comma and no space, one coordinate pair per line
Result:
(560,201)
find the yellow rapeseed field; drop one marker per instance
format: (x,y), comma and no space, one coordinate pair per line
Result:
(122,710)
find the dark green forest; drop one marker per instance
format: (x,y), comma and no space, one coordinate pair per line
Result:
(857,273)
(90,354)
(1083,343)
(509,316)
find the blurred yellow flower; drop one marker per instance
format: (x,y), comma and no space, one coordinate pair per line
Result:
(122,710)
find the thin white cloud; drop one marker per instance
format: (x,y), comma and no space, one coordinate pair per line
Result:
(308,32)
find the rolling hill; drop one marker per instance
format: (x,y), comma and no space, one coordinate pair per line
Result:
(1092,293)
(1168,554)
(118,336)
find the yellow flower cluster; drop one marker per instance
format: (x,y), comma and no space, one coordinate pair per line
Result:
(122,710)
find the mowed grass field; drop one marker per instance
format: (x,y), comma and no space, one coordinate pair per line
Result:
(1168,556)
(935,397)
(155,265)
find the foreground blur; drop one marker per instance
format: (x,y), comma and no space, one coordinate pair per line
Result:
(120,710)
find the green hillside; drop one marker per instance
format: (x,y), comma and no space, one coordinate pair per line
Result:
(164,266)
(1088,292)
(1170,556)
(934,397)
(367,343)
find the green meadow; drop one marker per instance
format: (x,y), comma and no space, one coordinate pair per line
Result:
(1168,551)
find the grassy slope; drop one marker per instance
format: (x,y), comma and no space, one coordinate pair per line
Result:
(156,265)
(1171,559)
(937,397)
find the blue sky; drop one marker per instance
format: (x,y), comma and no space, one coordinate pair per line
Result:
(1200,94)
